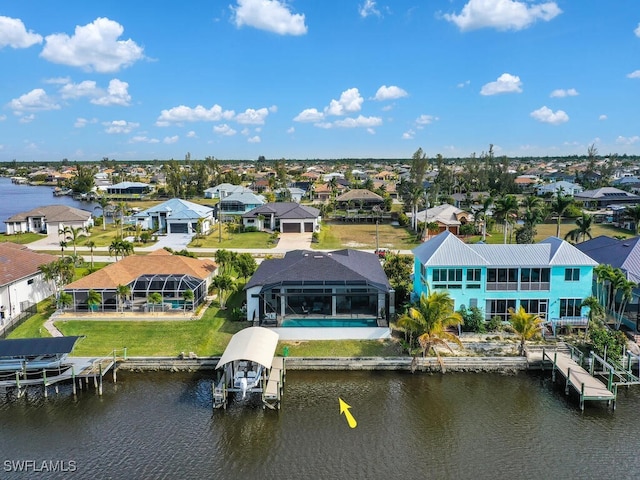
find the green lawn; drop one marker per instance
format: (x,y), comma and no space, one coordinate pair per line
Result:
(342,348)
(258,240)
(22,238)
(33,327)
(336,235)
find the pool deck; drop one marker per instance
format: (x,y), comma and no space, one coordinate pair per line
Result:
(328,333)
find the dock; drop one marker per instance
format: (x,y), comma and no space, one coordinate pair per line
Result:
(588,387)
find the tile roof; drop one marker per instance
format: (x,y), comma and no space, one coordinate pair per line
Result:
(159,262)
(358,194)
(448,250)
(53,213)
(311,266)
(17,261)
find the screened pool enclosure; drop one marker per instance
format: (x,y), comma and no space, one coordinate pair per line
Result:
(171,288)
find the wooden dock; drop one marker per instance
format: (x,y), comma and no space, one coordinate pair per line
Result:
(576,377)
(272,395)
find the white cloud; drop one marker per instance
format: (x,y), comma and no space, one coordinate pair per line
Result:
(627,140)
(635,74)
(291,130)
(371,131)
(224,129)
(408,135)
(502,14)
(390,93)
(14,34)
(120,126)
(191,134)
(309,115)
(27,118)
(466,83)
(350,101)
(637,31)
(546,115)
(360,121)
(325,125)
(198,114)
(3,118)
(368,8)
(93,47)
(83,122)
(245,131)
(117,94)
(425,119)
(58,80)
(273,109)
(602,117)
(36,100)
(561,93)
(270,15)
(143,139)
(506,83)
(252,117)
(87,88)
(170,140)
(255,139)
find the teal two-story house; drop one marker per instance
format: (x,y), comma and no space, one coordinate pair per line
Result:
(550,278)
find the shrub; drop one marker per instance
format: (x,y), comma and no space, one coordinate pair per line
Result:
(403,220)
(472,319)
(495,324)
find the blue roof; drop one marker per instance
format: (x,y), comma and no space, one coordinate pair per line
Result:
(624,254)
(180,209)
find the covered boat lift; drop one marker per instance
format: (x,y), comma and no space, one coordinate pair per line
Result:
(249,365)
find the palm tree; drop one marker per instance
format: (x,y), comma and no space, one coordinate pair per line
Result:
(427,323)
(73,236)
(63,245)
(188,296)
(224,284)
(65,300)
(93,299)
(583,229)
(596,311)
(91,244)
(154,299)
(483,214)
(558,206)
(122,209)
(526,325)
(625,287)
(120,247)
(506,208)
(103,202)
(603,274)
(123,292)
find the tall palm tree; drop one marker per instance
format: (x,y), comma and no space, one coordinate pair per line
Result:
(603,274)
(428,320)
(625,287)
(122,208)
(526,325)
(506,208)
(558,206)
(582,230)
(73,236)
(224,284)
(103,202)
(154,298)
(91,244)
(483,214)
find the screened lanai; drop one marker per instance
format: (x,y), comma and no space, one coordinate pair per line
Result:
(127,285)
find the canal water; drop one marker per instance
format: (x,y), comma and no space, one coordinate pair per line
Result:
(453,426)
(22,198)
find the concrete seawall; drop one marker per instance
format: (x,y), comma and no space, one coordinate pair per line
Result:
(452,364)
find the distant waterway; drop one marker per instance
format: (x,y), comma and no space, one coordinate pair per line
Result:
(22,198)
(453,426)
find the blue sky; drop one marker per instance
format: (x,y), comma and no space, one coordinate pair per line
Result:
(301,79)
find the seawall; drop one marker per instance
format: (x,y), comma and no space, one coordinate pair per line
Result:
(451,364)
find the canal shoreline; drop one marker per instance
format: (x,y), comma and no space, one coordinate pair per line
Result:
(507,364)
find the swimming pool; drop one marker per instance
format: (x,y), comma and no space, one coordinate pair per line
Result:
(330,322)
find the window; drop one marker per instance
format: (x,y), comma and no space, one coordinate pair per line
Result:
(570,307)
(499,308)
(473,274)
(30,281)
(538,307)
(535,278)
(571,274)
(502,279)
(447,275)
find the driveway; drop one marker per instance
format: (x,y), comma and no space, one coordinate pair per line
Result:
(293,241)
(175,241)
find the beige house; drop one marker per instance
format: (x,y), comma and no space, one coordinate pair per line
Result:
(49,220)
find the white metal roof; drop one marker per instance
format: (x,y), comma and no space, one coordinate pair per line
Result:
(256,344)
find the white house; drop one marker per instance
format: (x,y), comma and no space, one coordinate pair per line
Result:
(49,220)
(176,216)
(21,282)
(224,190)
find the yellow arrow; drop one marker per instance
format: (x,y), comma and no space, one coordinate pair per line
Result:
(344,408)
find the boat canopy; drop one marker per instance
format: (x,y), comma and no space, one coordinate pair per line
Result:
(33,347)
(256,344)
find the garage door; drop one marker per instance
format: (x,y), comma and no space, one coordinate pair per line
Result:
(179,228)
(308,226)
(290,228)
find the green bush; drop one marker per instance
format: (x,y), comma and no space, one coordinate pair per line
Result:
(472,319)
(403,220)
(495,324)
(602,337)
